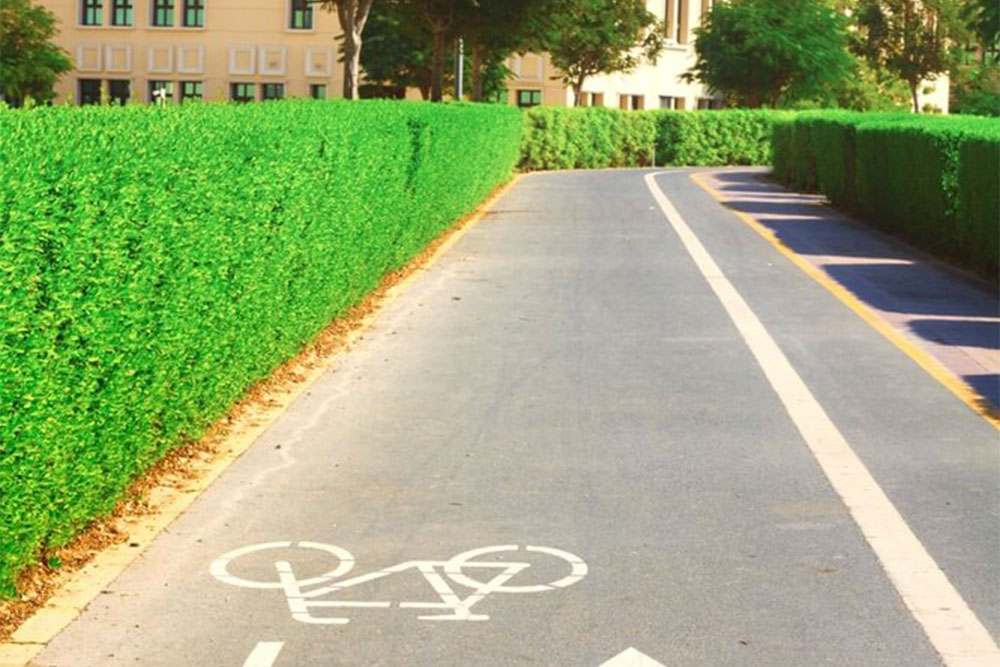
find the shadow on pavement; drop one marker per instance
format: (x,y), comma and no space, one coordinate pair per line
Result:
(923,296)
(969,333)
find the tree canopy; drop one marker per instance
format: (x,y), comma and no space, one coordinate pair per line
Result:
(772,52)
(913,38)
(30,62)
(589,37)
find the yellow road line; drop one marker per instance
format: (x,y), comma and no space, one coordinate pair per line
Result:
(924,359)
(84,586)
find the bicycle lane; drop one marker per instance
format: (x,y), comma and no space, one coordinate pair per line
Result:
(563,379)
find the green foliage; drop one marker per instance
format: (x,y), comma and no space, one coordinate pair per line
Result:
(772,52)
(590,137)
(586,138)
(30,62)
(155,262)
(588,37)
(911,38)
(932,180)
(976,90)
(714,138)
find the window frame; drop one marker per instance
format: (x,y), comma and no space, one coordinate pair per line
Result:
(533,92)
(169,85)
(125,7)
(93,9)
(300,9)
(167,7)
(272,85)
(122,101)
(197,7)
(233,97)
(183,94)
(80,83)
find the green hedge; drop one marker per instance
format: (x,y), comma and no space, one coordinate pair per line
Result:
(586,138)
(932,180)
(714,138)
(589,137)
(155,262)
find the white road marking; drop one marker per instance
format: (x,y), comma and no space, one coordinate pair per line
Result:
(436,573)
(632,658)
(952,627)
(264,654)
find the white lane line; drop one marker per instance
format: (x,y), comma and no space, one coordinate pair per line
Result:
(953,628)
(264,654)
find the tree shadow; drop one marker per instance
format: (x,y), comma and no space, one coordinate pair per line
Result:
(988,388)
(967,333)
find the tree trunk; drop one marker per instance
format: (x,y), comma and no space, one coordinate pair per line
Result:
(353,15)
(578,90)
(916,101)
(352,64)
(477,72)
(437,66)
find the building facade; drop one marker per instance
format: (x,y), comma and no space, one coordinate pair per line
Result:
(173,50)
(652,85)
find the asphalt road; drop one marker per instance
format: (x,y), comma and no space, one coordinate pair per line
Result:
(566,387)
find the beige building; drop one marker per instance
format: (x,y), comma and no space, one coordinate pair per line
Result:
(655,85)
(146,50)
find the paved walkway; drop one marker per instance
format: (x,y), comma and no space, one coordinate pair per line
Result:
(612,421)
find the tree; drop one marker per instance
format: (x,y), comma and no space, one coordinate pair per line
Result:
(589,37)
(398,53)
(493,29)
(983,20)
(30,63)
(353,14)
(772,52)
(912,38)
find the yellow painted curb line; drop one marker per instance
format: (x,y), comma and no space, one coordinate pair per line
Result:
(85,585)
(924,359)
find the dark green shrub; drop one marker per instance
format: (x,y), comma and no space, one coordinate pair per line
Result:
(834,159)
(714,138)
(585,138)
(155,262)
(977,222)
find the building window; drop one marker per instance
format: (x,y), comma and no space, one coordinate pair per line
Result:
(119,90)
(161,92)
(529,98)
(121,12)
(89,91)
(163,13)
(90,14)
(242,92)
(317,91)
(302,15)
(194,14)
(272,91)
(597,99)
(190,90)
(676,14)
(666,102)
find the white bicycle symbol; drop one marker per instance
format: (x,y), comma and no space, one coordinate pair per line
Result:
(440,574)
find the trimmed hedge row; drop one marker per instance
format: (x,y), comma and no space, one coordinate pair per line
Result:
(586,138)
(932,180)
(589,137)
(714,138)
(155,262)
